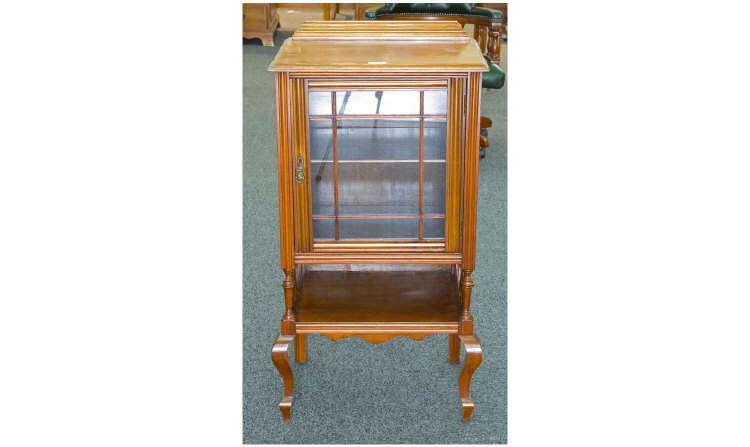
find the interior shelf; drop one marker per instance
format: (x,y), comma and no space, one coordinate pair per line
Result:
(377,297)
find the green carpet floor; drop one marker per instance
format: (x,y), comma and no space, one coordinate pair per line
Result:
(401,391)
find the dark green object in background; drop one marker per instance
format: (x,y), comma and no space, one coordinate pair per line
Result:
(493,79)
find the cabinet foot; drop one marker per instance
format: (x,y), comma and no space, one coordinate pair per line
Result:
(473,359)
(280,360)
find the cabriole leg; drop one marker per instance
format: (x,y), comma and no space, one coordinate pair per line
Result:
(473,359)
(454,348)
(280,360)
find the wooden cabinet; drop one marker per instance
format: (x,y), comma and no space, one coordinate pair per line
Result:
(378,148)
(259,20)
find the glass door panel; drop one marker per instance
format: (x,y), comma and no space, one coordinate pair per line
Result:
(321,166)
(378,164)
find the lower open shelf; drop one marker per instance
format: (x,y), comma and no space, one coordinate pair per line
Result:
(380,300)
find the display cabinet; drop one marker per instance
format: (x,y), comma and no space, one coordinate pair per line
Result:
(377,130)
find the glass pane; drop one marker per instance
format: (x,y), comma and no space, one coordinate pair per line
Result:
(321,167)
(434,188)
(378,228)
(323,229)
(390,102)
(435,102)
(435,135)
(433,228)
(372,186)
(434,166)
(378,139)
(321,185)
(319,103)
(321,139)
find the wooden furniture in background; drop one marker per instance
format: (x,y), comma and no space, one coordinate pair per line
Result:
(502,7)
(487,25)
(327,11)
(360,8)
(487,22)
(259,20)
(378,152)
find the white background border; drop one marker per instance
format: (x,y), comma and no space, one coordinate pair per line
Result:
(120,188)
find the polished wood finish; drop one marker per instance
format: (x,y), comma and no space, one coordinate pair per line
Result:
(375,338)
(377,297)
(454,163)
(365,47)
(260,20)
(281,361)
(302,205)
(378,289)
(300,348)
(283,142)
(377,258)
(471,167)
(486,32)
(473,359)
(378,247)
(454,348)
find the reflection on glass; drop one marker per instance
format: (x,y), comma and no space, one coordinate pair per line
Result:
(389,102)
(319,103)
(435,102)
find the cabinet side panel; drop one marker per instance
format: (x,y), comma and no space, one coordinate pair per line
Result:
(302,208)
(453,164)
(283,137)
(471,169)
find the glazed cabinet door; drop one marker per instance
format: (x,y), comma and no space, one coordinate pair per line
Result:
(378,164)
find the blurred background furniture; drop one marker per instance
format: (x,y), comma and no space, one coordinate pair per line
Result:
(502,7)
(360,8)
(327,11)
(487,26)
(259,21)
(487,22)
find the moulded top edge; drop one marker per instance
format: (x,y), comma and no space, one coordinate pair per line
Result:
(378,56)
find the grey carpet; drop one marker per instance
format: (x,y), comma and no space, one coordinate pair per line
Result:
(402,391)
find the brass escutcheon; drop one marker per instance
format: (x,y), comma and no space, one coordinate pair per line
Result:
(300,176)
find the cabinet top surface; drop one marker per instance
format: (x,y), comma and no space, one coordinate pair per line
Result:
(379,46)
